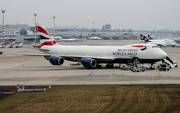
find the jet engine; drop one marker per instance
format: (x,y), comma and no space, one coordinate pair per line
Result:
(89,63)
(56,60)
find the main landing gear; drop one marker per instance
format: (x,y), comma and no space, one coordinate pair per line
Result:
(98,66)
(152,67)
(109,65)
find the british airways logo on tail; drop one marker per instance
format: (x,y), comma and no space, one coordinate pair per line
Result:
(43,34)
(40,29)
(45,38)
(50,43)
(42,37)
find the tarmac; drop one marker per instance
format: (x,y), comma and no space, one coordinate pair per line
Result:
(33,70)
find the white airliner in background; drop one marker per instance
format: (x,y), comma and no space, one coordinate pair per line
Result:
(60,39)
(94,38)
(3,46)
(69,40)
(165,42)
(92,56)
(152,39)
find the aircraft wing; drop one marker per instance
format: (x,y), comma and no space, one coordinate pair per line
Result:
(83,57)
(31,54)
(164,45)
(78,58)
(67,57)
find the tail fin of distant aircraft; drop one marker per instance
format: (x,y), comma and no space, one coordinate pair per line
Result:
(146,39)
(45,38)
(149,37)
(142,37)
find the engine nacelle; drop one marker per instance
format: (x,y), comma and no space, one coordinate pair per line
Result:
(56,60)
(89,63)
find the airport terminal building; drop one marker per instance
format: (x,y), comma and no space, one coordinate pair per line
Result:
(26,33)
(105,33)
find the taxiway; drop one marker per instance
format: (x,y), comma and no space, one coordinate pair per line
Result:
(31,70)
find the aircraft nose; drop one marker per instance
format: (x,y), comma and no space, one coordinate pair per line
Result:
(163,54)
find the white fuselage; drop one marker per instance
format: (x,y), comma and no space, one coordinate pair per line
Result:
(112,52)
(94,38)
(69,40)
(163,42)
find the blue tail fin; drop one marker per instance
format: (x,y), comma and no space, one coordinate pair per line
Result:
(146,39)
(149,37)
(142,37)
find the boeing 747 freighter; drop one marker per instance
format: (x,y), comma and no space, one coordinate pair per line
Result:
(93,56)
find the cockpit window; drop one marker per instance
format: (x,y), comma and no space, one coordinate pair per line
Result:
(154,46)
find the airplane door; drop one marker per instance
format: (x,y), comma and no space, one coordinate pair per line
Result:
(149,52)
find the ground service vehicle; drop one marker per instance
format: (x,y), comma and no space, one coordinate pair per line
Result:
(138,69)
(175,64)
(163,67)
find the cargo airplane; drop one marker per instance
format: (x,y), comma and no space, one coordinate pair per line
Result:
(92,56)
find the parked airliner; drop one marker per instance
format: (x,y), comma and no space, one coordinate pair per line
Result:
(3,46)
(94,38)
(69,40)
(164,43)
(152,39)
(92,56)
(165,40)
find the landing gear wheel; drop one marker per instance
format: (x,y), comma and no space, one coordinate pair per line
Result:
(98,66)
(110,65)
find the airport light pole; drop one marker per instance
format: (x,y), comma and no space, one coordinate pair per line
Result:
(54,26)
(3,11)
(35,14)
(93,24)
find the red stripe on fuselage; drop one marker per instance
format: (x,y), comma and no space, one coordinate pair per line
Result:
(40,29)
(138,46)
(47,44)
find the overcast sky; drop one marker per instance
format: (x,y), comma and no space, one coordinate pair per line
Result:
(134,14)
